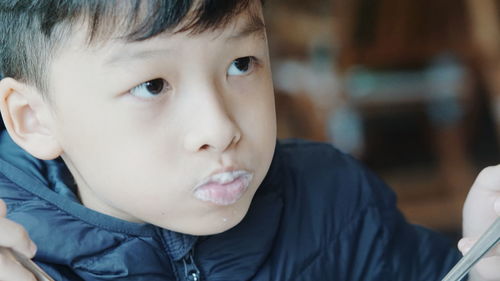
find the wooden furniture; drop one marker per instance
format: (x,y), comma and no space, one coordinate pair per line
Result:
(394,38)
(485,30)
(397,42)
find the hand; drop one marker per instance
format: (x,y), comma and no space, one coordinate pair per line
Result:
(481,208)
(14,237)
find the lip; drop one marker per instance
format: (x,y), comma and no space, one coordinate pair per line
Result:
(223,188)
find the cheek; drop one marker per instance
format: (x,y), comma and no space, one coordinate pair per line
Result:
(257,120)
(117,149)
(261,114)
(129,173)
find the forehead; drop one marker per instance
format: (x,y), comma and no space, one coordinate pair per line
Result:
(242,28)
(115,48)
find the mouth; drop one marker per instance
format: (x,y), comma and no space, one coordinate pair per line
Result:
(224,188)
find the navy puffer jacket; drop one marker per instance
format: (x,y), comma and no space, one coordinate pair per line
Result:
(318,216)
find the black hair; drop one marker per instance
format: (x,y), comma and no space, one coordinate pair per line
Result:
(32,31)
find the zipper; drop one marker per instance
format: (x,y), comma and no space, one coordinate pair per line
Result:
(184,268)
(191,271)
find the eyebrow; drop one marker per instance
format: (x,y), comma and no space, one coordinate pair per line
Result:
(136,55)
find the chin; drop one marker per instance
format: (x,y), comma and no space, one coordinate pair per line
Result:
(218,222)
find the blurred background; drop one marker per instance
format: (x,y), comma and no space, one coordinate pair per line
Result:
(409,87)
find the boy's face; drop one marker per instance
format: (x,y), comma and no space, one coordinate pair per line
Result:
(178,130)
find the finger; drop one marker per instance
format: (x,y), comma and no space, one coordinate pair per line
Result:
(14,236)
(3,208)
(465,244)
(11,270)
(489,178)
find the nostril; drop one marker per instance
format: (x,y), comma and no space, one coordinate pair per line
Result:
(204,147)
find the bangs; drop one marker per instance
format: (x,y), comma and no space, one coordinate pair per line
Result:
(136,20)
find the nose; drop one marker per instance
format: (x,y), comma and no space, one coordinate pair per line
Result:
(211,128)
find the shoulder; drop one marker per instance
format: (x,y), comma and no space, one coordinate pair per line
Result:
(340,221)
(331,202)
(329,176)
(322,184)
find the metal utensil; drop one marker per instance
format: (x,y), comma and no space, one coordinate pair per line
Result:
(39,274)
(487,241)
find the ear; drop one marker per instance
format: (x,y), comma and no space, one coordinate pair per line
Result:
(27,117)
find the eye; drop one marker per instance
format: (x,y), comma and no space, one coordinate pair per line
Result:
(241,66)
(150,88)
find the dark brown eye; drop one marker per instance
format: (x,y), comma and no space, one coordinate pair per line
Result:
(242,63)
(155,86)
(241,66)
(150,88)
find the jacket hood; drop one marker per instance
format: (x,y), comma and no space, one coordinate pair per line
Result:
(41,196)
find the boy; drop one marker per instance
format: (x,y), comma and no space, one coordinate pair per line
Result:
(141,146)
